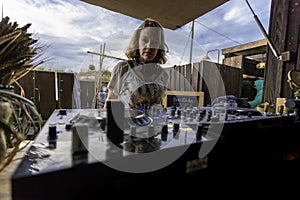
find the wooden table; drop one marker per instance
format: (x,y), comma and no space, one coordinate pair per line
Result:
(5,191)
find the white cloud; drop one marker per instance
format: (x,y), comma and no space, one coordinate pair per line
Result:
(72,27)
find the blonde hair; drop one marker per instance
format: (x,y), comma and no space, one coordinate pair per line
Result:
(132,51)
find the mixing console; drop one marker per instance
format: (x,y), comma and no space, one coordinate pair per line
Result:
(120,148)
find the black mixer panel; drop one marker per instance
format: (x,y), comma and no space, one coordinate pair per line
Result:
(122,148)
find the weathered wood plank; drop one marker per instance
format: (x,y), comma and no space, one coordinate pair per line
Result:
(188,77)
(284,32)
(234,61)
(65,88)
(195,77)
(45,93)
(250,48)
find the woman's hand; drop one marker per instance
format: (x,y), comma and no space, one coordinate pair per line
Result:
(110,95)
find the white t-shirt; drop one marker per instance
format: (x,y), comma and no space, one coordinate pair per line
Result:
(141,86)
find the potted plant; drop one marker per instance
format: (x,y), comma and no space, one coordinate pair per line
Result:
(19,53)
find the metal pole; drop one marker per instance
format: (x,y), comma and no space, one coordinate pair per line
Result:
(192,40)
(101,54)
(271,45)
(99,77)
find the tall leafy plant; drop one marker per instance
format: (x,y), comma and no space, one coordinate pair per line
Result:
(19,53)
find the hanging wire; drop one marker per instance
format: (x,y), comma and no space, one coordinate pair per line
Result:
(218,32)
(185,46)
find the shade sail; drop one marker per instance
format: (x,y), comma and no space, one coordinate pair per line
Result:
(172,14)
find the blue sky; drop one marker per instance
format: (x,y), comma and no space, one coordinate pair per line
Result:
(72,27)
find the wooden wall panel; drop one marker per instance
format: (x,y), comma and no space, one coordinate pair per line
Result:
(196,83)
(188,77)
(65,88)
(172,78)
(292,41)
(39,87)
(232,78)
(181,80)
(211,78)
(45,93)
(275,75)
(27,83)
(169,70)
(234,61)
(177,77)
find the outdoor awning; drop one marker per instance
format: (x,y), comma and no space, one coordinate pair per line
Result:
(172,14)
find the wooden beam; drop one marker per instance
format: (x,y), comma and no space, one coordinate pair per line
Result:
(251,48)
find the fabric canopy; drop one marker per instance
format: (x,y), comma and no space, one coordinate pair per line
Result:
(172,14)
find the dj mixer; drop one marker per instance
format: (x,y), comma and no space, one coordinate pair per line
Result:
(80,151)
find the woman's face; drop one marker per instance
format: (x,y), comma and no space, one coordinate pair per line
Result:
(149,43)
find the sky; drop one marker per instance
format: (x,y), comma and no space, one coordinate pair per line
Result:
(71,28)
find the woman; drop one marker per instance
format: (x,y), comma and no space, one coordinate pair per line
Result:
(259,85)
(140,82)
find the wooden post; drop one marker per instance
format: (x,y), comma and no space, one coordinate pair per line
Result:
(284,32)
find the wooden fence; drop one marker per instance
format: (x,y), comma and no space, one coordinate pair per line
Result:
(210,78)
(40,88)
